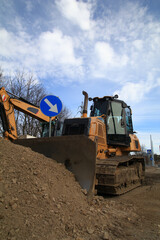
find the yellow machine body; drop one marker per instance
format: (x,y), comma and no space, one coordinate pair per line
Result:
(97,149)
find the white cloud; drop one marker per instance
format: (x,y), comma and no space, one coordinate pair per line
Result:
(51,53)
(14,47)
(138,44)
(55,47)
(5,39)
(29,5)
(158,81)
(104,53)
(121,45)
(106,59)
(135,92)
(131,31)
(78,12)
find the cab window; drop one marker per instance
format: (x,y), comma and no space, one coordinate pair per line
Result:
(115,120)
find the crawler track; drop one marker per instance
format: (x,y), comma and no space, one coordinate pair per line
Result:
(118,175)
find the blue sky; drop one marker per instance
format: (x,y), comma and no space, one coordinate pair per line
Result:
(103,47)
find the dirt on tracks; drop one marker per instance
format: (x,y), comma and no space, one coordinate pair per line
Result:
(40,200)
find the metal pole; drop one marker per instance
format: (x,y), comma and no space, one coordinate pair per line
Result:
(50,126)
(152,151)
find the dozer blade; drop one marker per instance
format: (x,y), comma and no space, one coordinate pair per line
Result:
(77,153)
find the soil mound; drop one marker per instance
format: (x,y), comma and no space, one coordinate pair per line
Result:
(40,200)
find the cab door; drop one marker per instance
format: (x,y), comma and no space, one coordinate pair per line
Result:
(117,133)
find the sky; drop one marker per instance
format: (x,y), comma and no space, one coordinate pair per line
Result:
(101,46)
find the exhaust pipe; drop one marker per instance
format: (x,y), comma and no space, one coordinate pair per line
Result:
(84,115)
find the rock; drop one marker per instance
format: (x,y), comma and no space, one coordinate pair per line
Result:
(62,219)
(90,230)
(14,180)
(69,228)
(92,209)
(34,196)
(84,191)
(45,196)
(106,236)
(14,206)
(58,206)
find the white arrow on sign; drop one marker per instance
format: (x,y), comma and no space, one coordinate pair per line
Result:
(53,108)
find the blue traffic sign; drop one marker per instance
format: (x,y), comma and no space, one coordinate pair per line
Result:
(149,151)
(51,106)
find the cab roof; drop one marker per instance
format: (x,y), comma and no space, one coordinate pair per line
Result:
(105,98)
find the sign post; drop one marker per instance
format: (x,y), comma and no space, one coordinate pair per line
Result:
(153,164)
(50,121)
(51,106)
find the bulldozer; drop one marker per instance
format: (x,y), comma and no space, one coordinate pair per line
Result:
(98,148)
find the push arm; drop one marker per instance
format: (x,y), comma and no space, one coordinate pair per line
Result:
(29,109)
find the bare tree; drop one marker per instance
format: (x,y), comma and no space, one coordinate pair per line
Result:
(1,84)
(1,74)
(3,81)
(65,113)
(26,86)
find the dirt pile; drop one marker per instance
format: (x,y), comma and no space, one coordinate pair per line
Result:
(40,200)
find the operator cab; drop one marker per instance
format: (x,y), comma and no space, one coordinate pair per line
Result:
(56,128)
(118,119)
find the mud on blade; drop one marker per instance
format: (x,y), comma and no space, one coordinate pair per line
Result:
(77,153)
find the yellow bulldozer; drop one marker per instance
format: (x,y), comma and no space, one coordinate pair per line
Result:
(96,148)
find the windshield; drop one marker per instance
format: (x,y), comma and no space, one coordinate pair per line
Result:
(54,130)
(115,122)
(45,129)
(100,108)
